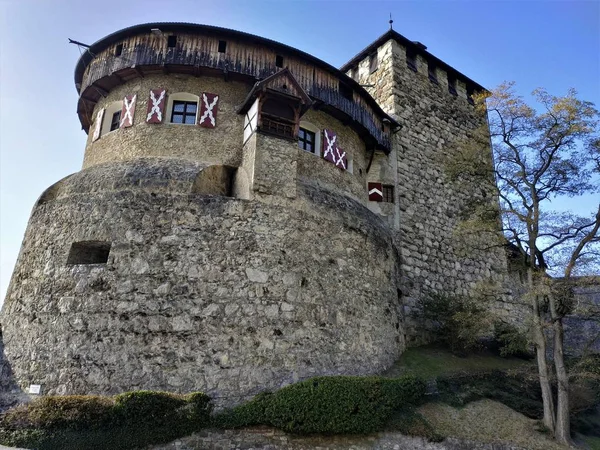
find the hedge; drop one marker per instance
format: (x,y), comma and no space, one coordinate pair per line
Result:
(328,405)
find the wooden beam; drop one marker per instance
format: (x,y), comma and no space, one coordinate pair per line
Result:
(138,71)
(100,91)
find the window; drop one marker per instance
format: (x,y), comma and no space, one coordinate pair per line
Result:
(115,121)
(411,59)
(112,117)
(431,69)
(88,252)
(306,140)
(346,91)
(118,50)
(172,41)
(470,92)
(452,85)
(373,62)
(222,46)
(279,61)
(184,112)
(388,193)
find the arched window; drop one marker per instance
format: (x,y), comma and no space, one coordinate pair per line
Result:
(112,117)
(182,108)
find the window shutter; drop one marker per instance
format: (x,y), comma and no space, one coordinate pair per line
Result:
(375,192)
(208,110)
(156,105)
(127,111)
(332,152)
(98,126)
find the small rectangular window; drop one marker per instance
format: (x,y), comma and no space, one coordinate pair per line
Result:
(388,193)
(222,46)
(411,59)
(306,140)
(115,121)
(452,85)
(279,61)
(119,50)
(373,62)
(88,252)
(172,41)
(346,91)
(184,112)
(431,69)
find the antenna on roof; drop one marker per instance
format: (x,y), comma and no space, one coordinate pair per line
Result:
(391,22)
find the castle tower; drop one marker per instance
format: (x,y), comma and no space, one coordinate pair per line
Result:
(219,236)
(432,103)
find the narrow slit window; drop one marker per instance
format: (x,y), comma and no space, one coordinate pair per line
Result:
(452,85)
(119,50)
(470,93)
(346,91)
(172,41)
(279,61)
(388,193)
(115,121)
(373,62)
(222,46)
(411,59)
(431,69)
(89,252)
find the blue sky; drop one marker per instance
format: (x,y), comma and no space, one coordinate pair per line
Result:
(551,44)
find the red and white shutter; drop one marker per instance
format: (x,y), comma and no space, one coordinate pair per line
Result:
(156,105)
(331,150)
(98,125)
(127,111)
(375,192)
(208,110)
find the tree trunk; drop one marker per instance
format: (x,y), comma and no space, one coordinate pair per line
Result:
(562,432)
(539,339)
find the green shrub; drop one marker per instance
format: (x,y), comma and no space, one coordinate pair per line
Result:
(149,407)
(511,341)
(340,404)
(462,323)
(53,412)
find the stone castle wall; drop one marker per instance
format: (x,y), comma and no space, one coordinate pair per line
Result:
(432,122)
(200,292)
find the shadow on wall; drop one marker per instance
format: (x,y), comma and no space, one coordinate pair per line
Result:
(225,181)
(10,392)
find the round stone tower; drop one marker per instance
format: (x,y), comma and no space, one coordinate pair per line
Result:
(219,236)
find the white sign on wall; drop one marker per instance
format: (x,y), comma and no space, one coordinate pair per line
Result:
(35,389)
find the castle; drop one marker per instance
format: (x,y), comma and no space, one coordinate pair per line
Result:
(246,216)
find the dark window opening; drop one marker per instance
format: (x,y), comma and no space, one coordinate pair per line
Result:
(88,252)
(172,41)
(452,85)
(470,93)
(278,117)
(279,61)
(373,62)
(346,91)
(306,140)
(222,46)
(432,72)
(388,193)
(279,109)
(411,59)
(184,112)
(115,121)
(118,50)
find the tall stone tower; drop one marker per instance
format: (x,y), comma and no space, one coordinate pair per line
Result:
(432,102)
(246,216)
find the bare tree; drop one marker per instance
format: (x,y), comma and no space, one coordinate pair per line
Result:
(538,155)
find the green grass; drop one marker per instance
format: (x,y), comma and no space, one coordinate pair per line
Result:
(593,443)
(429,362)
